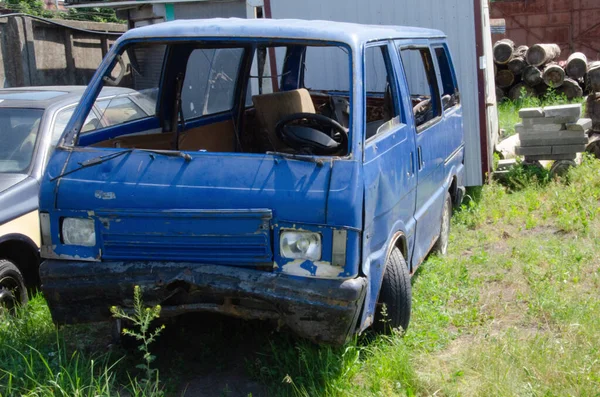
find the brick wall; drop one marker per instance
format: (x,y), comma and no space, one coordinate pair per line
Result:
(572,24)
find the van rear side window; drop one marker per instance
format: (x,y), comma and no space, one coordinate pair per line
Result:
(450,96)
(422,83)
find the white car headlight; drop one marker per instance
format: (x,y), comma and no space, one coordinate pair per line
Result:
(78,231)
(300,245)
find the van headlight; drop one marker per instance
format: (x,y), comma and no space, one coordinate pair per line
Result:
(300,245)
(78,231)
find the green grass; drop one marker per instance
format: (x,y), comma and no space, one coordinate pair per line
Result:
(513,309)
(34,360)
(38,360)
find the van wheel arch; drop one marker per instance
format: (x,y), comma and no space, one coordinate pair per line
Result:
(24,254)
(398,241)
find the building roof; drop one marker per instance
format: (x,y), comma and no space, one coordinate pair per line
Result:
(350,33)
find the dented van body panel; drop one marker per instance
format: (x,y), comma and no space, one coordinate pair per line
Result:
(206,218)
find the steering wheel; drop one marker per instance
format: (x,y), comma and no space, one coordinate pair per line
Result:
(312,140)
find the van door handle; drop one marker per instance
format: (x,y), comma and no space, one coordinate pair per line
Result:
(420,155)
(411,170)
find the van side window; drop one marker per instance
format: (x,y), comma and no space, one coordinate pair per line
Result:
(130,89)
(422,83)
(450,96)
(120,110)
(210,79)
(381,110)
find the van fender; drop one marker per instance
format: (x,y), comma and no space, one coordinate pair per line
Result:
(374,268)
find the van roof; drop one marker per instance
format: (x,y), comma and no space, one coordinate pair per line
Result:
(350,33)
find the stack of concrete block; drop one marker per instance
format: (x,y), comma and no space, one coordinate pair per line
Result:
(552,133)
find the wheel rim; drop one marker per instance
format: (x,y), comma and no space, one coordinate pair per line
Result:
(9,293)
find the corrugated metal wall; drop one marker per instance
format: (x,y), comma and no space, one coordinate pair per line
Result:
(454,17)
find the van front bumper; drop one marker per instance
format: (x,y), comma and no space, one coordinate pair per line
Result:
(319,309)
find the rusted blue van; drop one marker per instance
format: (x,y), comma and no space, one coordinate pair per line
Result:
(293,170)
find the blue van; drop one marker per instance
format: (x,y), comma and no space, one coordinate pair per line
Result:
(297,171)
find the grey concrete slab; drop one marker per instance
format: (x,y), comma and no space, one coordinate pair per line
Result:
(573,111)
(569,156)
(563,149)
(531,112)
(580,125)
(553,141)
(545,120)
(533,150)
(505,164)
(547,127)
(529,134)
(520,128)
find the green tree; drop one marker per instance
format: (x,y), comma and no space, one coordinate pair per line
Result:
(32,7)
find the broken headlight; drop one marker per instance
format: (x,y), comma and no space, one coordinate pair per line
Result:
(300,245)
(78,231)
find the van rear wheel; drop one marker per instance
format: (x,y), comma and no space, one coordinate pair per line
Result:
(394,305)
(441,245)
(12,286)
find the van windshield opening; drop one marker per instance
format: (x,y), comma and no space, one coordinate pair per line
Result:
(289,98)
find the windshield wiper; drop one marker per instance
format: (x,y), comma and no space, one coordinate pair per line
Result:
(102,159)
(303,157)
(93,161)
(169,153)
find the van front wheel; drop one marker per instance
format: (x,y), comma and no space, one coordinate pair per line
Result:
(393,307)
(441,245)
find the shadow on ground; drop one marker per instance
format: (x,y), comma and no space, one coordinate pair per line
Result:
(212,355)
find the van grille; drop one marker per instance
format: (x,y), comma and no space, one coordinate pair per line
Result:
(218,237)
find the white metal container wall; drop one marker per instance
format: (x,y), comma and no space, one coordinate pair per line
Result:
(454,17)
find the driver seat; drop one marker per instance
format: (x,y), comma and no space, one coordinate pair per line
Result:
(270,108)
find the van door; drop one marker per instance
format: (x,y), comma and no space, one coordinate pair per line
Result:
(389,163)
(431,141)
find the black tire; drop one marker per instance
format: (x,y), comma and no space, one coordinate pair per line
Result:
(13,291)
(560,168)
(395,295)
(441,245)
